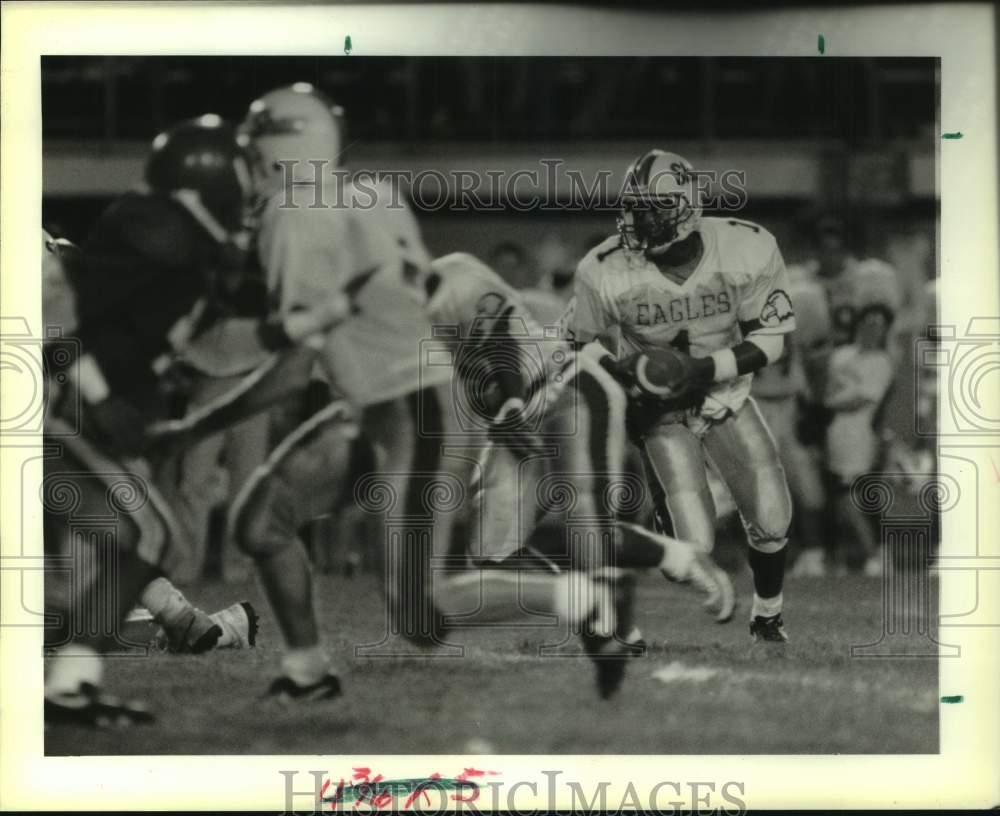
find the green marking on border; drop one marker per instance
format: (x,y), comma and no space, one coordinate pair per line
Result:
(347,45)
(953,698)
(956,135)
(821,44)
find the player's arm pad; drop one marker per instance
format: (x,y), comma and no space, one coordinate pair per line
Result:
(746,357)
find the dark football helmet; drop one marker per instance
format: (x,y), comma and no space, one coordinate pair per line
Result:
(202,155)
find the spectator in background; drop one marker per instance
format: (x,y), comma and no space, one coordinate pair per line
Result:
(547,299)
(911,253)
(860,376)
(850,284)
(510,260)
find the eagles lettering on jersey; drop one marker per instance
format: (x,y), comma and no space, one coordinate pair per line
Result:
(739,287)
(682,309)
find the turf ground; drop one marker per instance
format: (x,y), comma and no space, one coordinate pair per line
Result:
(701,689)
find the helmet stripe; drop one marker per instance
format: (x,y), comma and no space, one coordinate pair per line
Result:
(644,166)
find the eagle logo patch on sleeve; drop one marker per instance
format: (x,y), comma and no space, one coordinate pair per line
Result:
(777,309)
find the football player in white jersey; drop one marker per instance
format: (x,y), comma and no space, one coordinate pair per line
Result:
(850,284)
(345,279)
(715,291)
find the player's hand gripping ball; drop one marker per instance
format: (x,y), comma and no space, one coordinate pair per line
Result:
(663,373)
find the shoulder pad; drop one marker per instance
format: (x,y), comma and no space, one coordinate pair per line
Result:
(610,246)
(601,254)
(742,245)
(456,263)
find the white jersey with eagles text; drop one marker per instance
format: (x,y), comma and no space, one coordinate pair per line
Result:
(739,286)
(370,249)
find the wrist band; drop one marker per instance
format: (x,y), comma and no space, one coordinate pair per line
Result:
(725,364)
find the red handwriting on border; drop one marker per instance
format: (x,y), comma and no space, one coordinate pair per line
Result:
(364,788)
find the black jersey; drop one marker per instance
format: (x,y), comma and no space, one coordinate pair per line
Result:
(143,267)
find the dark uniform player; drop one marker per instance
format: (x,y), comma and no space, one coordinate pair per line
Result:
(149,258)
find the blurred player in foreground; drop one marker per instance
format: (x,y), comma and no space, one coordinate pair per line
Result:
(150,257)
(554,492)
(713,293)
(345,279)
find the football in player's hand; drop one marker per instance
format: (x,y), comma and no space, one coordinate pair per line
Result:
(664,373)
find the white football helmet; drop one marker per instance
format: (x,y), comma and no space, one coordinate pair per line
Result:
(660,202)
(296,124)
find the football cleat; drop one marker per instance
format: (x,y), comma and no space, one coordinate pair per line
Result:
(610,672)
(285,689)
(195,633)
(610,654)
(770,629)
(239,624)
(89,707)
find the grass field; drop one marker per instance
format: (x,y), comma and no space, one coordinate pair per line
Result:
(701,689)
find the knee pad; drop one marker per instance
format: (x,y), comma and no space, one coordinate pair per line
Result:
(767,533)
(763,544)
(771,509)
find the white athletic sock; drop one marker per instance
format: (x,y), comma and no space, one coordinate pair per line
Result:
(72,665)
(305,665)
(678,556)
(165,602)
(765,607)
(228,636)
